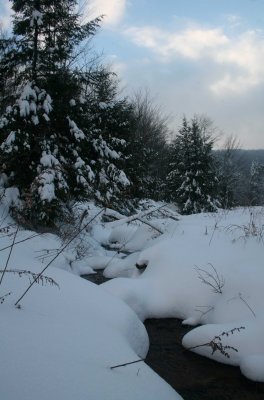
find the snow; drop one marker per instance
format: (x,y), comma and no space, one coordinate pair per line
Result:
(204,269)
(48,160)
(253,367)
(9,140)
(46,189)
(72,103)
(62,342)
(9,198)
(77,133)
(46,103)
(122,179)
(104,150)
(27,100)
(46,117)
(36,17)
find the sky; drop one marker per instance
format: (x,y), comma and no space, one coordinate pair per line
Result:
(201,57)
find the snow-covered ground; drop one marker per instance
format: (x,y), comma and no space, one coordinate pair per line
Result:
(206,269)
(62,342)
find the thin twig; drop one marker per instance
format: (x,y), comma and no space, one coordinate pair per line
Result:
(213,279)
(215,227)
(130,238)
(136,216)
(32,275)
(209,309)
(123,365)
(56,256)
(2,298)
(9,255)
(151,225)
(216,343)
(246,303)
(21,241)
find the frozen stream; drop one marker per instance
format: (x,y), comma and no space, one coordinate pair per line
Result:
(192,376)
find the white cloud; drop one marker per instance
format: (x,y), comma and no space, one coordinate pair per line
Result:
(238,60)
(246,53)
(113,10)
(191,43)
(5,18)
(116,65)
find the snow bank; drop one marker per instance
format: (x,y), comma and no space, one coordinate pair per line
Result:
(207,269)
(62,342)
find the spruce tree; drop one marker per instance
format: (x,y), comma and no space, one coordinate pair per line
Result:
(192,178)
(57,143)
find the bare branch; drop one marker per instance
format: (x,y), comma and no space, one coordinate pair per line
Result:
(123,365)
(56,256)
(212,279)
(9,255)
(217,345)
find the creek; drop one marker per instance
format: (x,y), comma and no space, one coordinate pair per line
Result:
(192,376)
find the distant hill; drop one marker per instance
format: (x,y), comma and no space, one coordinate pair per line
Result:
(246,157)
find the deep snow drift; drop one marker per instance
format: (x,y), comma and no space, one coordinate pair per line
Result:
(62,342)
(205,269)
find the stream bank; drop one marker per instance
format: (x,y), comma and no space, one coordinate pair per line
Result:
(192,376)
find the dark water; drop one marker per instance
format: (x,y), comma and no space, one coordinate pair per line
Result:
(193,376)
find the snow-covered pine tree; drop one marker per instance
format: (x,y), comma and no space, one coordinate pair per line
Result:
(192,179)
(53,147)
(108,118)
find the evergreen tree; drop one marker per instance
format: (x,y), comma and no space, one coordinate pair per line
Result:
(57,142)
(192,178)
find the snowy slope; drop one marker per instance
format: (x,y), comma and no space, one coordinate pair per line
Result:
(62,342)
(207,269)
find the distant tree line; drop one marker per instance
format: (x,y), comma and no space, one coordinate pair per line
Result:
(67,135)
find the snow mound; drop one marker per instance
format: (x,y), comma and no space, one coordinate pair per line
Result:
(62,342)
(206,269)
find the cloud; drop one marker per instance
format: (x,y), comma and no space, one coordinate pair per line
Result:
(113,10)
(5,12)
(237,60)
(233,20)
(193,43)
(116,65)
(246,53)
